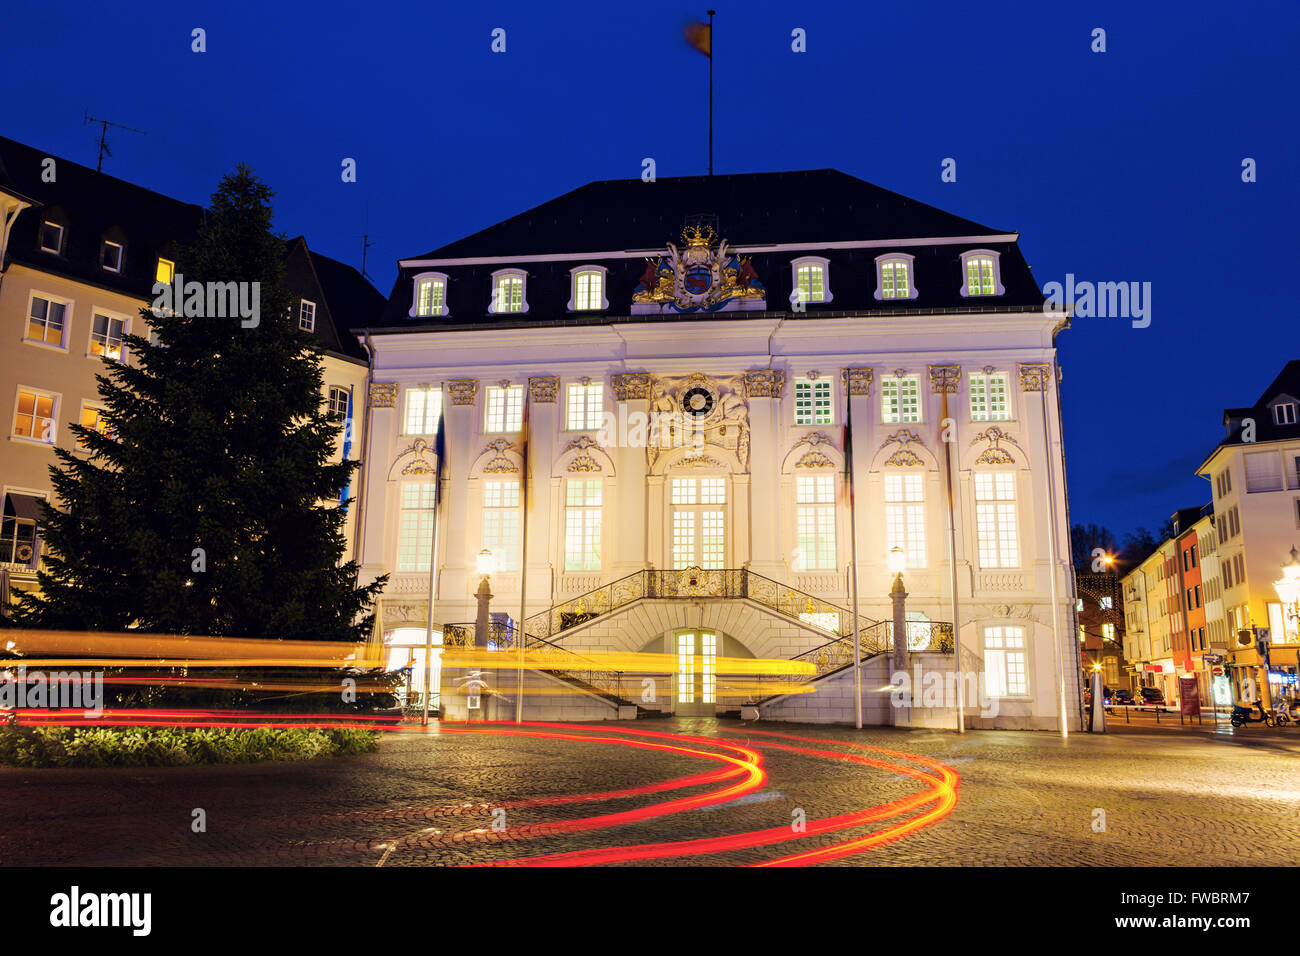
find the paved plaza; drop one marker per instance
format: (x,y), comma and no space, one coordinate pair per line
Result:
(449,798)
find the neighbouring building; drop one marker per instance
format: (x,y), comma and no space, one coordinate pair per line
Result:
(1100,614)
(1254,473)
(1173,609)
(665,374)
(80,252)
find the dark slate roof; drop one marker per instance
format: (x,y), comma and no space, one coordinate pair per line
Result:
(812,206)
(92,204)
(1287,383)
(344,298)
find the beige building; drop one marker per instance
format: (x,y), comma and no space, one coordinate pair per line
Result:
(80,252)
(1254,473)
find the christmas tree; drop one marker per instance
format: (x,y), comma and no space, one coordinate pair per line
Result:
(208,502)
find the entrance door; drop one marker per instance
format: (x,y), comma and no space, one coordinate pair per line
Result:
(697,678)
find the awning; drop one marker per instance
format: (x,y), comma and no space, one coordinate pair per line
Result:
(23,506)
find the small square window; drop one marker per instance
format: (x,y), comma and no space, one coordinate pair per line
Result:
(46,321)
(51,237)
(812,402)
(338,403)
(110,256)
(1284,414)
(106,337)
(34,415)
(166,270)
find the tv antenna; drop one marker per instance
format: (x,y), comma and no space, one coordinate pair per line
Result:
(365,247)
(103,136)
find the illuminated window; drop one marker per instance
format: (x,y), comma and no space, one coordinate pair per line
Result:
(1108,631)
(894,277)
(815,521)
(415,527)
(34,415)
(508,292)
(46,320)
(51,237)
(501,522)
(685,668)
(92,417)
(106,337)
(430,295)
(586,406)
(1107,604)
(423,409)
(505,408)
(17,540)
(811,280)
(900,399)
(582,520)
(988,397)
(812,402)
(698,522)
(995,519)
(708,675)
(1005,661)
(980,267)
(307,315)
(905,516)
(166,271)
(588,293)
(110,256)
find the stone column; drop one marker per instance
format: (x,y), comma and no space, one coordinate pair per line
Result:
(541,458)
(856,383)
(763,389)
(626,537)
(453,576)
(375,556)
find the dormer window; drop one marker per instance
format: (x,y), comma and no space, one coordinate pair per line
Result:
(588,285)
(51,237)
(430,295)
(811,280)
(307,315)
(166,271)
(508,292)
(983,275)
(894,277)
(1284,413)
(110,256)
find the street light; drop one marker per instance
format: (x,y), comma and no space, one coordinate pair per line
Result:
(486,563)
(897,561)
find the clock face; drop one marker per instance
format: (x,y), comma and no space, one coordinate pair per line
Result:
(697,401)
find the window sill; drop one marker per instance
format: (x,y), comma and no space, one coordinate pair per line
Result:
(32,441)
(45,345)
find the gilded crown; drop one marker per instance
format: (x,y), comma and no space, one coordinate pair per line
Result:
(698,237)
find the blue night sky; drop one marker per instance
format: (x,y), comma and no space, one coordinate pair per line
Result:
(1122,166)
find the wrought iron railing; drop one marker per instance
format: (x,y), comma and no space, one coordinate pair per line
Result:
(690,583)
(568,665)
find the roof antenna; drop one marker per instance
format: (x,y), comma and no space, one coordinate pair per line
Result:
(103,136)
(365,247)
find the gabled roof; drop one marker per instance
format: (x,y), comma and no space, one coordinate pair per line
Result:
(815,205)
(344,298)
(93,203)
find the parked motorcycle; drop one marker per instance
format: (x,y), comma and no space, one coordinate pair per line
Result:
(1245,714)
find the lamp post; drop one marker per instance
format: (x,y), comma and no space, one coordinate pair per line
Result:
(482,623)
(897,561)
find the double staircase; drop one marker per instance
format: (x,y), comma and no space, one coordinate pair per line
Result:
(541,632)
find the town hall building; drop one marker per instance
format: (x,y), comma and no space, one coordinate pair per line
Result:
(680,394)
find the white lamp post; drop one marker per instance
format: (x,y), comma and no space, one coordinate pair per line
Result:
(486,565)
(897,561)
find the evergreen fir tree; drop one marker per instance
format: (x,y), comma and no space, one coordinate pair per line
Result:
(217,439)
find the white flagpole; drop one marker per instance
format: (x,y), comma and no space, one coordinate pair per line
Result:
(853,563)
(952,571)
(520,636)
(433,564)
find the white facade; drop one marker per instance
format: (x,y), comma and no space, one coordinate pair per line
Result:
(742,372)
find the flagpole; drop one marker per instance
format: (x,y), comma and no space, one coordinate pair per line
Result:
(952,568)
(441,449)
(853,563)
(520,636)
(711,12)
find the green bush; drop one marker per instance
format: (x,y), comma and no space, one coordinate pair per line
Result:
(174,747)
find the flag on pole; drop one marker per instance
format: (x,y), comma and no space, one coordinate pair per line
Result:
(520,636)
(439,453)
(848,449)
(700,36)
